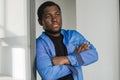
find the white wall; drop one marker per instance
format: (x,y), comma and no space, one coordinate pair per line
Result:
(98,21)
(68,14)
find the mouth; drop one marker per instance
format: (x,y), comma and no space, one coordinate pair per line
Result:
(55,25)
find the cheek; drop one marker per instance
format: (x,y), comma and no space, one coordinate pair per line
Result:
(60,20)
(47,22)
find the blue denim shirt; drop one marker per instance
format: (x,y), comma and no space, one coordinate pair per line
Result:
(45,51)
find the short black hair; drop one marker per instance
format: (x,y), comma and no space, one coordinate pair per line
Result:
(41,8)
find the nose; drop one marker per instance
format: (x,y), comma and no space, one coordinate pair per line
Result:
(54,18)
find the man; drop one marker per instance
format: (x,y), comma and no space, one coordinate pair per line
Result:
(60,53)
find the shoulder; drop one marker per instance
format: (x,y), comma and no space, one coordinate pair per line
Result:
(39,40)
(41,37)
(40,43)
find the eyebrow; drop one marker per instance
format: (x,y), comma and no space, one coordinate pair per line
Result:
(46,13)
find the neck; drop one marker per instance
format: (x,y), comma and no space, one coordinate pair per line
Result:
(54,35)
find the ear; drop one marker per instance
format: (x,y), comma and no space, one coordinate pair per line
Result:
(40,22)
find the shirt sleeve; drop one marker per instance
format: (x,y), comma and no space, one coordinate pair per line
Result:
(45,67)
(85,57)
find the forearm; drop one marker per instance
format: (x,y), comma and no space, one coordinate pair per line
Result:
(83,58)
(48,71)
(62,60)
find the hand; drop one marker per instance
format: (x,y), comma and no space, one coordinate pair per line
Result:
(82,47)
(60,60)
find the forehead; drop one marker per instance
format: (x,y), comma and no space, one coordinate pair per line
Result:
(51,9)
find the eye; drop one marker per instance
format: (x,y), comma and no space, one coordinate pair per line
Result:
(48,17)
(58,14)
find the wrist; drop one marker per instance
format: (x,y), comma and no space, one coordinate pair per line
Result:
(65,60)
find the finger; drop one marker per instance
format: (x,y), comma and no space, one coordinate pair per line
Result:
(78,49)
(84,47)
(88,43)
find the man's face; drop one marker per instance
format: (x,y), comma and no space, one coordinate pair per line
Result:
(52,20)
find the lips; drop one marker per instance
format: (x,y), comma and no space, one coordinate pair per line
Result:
(55,25)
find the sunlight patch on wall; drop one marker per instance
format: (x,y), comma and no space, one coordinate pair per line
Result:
(18,61)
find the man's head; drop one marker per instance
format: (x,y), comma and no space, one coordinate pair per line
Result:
(49,16)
